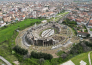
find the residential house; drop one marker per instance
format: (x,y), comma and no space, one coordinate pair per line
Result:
(82,34)
(90,24)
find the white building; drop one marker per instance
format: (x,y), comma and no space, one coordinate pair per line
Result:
(2,24)
(44,21)
(82,62)
(34,14)
(68,63)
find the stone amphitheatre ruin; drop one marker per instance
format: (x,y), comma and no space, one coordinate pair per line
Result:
(44,34)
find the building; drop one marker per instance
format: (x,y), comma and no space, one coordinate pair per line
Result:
(34,36)
(82,34)
(68,63)
(90,24)
(82,62)
(44,21)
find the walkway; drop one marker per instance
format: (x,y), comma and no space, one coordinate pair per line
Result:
(4,60)
(89,58)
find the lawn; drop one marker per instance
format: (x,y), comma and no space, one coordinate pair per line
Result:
(91,57)
(63,13)
(7,33)
(84,56)
(90,29)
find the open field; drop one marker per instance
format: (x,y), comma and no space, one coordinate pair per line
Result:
(84,56)
(63,13)
(7,33)
(91,57)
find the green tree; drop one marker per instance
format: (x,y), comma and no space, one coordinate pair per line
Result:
(88,35)
(54,61)
(60,59)
(19,50)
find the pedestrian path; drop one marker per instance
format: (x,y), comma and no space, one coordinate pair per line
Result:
(4,60)
(89,58)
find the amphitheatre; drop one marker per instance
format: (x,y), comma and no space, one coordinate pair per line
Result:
(46,37)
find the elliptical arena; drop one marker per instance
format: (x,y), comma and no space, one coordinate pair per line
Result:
(44,35)
(47,38)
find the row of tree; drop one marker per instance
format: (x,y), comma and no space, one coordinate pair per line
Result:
(36,55)
(39,55)
(20,50)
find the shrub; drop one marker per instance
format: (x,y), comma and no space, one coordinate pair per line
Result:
(19,50)
(41,55)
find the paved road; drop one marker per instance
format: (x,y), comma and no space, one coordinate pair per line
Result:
(90,32)
(4,60)
(89,58)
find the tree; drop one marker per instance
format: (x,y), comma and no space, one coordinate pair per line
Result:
(60,59)
(88,35)
(54,61)
(41,55)
(47,62)
(41,61)
(19,50)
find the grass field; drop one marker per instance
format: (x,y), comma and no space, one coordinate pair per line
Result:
(91,57)
(7,33)
(84,56)
(90,29)
(63,13)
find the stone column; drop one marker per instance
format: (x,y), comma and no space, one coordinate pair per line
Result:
(33,41)
(49,44)
(53,42)
(43,43)
(36,42)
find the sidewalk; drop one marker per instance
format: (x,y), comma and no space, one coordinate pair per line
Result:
(4,60)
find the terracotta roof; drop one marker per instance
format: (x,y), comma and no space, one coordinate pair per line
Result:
(82,33)
(79,20)
(90,21)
